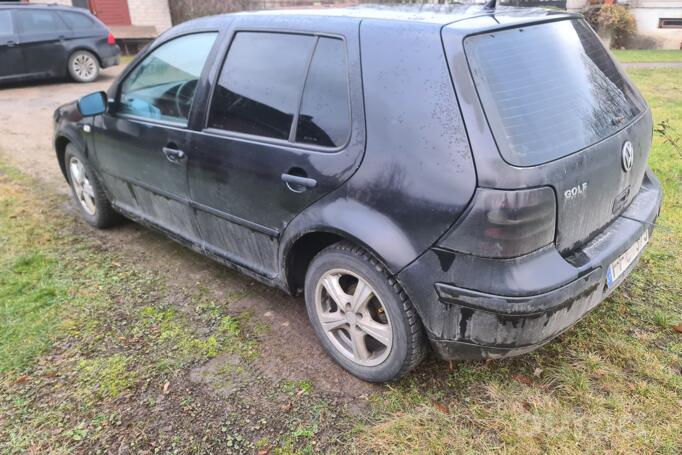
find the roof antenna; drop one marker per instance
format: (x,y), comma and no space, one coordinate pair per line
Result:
(490,4)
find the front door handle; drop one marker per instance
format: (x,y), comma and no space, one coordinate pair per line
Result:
(297,183)
(173,155)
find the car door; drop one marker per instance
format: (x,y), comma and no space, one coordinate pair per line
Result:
(141,143)
(279,135)
(10,53)
(41,40)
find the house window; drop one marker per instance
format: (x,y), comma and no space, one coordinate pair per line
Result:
(670,22)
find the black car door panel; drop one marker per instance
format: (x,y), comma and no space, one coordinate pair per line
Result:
(142,143)
(269,150)
(42,35)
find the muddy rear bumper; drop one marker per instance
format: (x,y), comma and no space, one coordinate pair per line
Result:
(475,308)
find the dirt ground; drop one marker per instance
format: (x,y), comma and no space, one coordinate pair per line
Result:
(289,350)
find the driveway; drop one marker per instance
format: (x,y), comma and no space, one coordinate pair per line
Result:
(289,351)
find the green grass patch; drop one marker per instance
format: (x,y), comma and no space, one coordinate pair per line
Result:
(82,332)
(648,56)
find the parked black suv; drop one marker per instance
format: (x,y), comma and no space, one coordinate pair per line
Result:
(53,41)
(473,178)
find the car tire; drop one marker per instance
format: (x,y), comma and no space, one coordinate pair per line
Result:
(83,66)
(88,192)
(371,301)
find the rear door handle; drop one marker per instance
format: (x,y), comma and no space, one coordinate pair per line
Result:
(11,43)
(297,183)
(173,155)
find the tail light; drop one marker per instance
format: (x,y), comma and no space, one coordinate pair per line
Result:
(505,224)
(111,39)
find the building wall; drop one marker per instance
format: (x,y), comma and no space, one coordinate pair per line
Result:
(150,12)
(647,15)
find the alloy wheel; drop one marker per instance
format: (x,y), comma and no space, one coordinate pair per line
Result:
(82,186)
(84,66)
(353,317)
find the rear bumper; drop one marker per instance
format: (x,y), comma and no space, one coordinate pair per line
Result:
(110,55)
(475,308)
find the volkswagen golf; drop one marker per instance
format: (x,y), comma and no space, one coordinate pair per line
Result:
(468,179)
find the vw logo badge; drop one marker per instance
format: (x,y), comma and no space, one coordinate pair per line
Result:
(628,155)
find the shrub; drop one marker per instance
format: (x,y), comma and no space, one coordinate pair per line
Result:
(616,20)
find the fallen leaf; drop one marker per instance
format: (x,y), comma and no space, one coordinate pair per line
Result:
(264,452)
(537,372)
(300,392)
(165,388)
(523,379)
(678,328)
(441,407)
(23,378)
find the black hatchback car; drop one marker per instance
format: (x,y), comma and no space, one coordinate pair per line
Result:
(46,41)
(468,178)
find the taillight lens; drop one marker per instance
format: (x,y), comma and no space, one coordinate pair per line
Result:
(111,39)
(505,224)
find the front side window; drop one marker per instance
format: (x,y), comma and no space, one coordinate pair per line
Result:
(260,85)
(162,86)
(6,26)
(39,21)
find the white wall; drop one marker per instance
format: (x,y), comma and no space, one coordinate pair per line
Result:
(647,24)
(150,12)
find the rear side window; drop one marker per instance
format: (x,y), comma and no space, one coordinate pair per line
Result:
(38,21)
(260,84)
(6,26)
(77,21)
(284,86)
(549,90)
(324,119)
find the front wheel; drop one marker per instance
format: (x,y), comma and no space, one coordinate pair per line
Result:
(363,319)
(83,66)
(88,192)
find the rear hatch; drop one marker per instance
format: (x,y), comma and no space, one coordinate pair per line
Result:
(556,101)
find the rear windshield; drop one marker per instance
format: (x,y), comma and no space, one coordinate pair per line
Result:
(549,90)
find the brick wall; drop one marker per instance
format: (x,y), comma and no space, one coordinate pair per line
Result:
(150,12)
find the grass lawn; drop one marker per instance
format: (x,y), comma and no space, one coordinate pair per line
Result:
(649,56)
(95,350)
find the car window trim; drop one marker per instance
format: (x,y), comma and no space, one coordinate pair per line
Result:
(204,128)
(158,122)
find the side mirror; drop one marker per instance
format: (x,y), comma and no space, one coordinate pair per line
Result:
(93,104)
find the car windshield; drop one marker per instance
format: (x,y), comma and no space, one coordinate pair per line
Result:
(549,90)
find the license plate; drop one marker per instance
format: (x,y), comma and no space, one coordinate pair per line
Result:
(624,261)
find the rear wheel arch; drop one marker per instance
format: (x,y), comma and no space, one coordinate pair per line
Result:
(86,49)
(302,250)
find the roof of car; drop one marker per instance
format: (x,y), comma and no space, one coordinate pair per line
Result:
(421,13)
